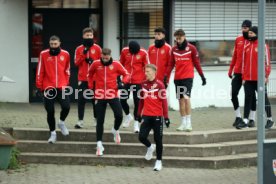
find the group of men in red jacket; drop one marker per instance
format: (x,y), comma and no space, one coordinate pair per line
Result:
(145,73)
(244,71)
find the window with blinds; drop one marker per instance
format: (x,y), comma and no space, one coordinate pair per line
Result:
(220,19)
(138,20)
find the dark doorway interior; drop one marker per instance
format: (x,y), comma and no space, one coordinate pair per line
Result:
(68,25)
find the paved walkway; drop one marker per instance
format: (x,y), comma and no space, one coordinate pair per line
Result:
(34,115)
(60,174)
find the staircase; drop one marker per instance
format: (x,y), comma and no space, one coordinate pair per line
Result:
(209,149)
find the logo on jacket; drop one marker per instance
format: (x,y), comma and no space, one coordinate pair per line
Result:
(138,56)
(256,49)
(163,51)
(153,86)
(111,67)
(187,48)
(93,51)
(274,166)
(61,58)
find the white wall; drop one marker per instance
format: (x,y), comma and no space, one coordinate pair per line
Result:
(216,92)
(110,27)
(14,50)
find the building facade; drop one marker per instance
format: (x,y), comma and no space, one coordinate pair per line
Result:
(211,25)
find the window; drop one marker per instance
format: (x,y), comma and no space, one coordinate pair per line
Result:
(65,4)
(138,20)
(216,23)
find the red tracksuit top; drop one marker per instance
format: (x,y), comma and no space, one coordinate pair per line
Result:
(160,57)
(237,58)
(250,72)
(105,78)
(94,53)
(53,71)
(184,62)
(153,99)
(135,64)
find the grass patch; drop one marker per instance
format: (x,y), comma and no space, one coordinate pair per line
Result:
(14,161)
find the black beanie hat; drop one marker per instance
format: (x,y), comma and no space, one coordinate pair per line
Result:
(246,23)
(134,47)
(254,29)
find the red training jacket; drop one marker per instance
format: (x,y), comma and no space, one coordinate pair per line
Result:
(153,99)
(135,64)
(237,58)
(184,62)
(53,71)
(94,53)
(105,78)
(250,72)
(160,57)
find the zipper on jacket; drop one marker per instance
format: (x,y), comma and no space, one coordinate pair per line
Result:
(105,80)
(131,63)
(157,61)
(56,72)
(251,61)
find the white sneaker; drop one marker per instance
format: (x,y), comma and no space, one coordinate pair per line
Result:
(63,128)
(53,138)
(117,137)
(79,124)
(182,127)
(94,122)
(128,119)
(136,127)
(189,127)
(158,165)
(100,150)
(150,151)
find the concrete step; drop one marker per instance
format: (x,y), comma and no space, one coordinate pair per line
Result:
(196,137)
(232,161)
(178,150)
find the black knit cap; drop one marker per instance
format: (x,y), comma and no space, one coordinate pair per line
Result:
(254,29)
(246,23)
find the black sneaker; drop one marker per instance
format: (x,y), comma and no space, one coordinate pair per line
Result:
(237,121)
(251,123)
(269,124)
(241,125)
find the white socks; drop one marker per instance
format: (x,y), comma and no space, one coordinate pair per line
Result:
(188,117)
(61,122)
(53,132)
(99,144)
(269,118)
(238,112)
(184,120)
(252,115)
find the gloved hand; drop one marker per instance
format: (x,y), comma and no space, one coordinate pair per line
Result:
(230,74)
(39,92)
(85,50)
(139,118)
(89,60)
(203,80)
(165,82)
(120,85)
(167,122)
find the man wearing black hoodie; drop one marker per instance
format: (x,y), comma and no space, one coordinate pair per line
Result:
(134,59)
